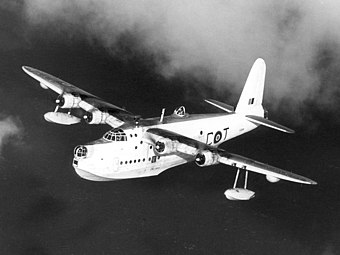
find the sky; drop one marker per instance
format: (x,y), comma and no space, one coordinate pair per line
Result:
(148,55)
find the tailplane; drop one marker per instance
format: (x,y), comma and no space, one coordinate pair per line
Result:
(250,102)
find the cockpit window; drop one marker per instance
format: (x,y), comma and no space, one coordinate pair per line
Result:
(180,111)
(115,135)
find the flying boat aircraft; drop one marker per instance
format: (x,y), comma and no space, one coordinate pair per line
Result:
(137,147)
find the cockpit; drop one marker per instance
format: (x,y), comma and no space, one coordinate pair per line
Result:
(115,135)
(180,112)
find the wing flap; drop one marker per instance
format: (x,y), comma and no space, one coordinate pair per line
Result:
(261,168)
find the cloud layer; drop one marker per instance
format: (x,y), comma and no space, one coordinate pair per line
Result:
(10,130)
(298,39)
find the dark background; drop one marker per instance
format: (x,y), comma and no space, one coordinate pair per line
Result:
(47,209)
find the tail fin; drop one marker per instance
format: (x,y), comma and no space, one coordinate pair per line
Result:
(250,102)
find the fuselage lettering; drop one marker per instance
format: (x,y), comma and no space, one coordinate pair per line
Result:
(210,133)
(217,137)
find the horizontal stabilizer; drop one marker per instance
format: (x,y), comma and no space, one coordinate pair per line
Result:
(222,106)
(268,123)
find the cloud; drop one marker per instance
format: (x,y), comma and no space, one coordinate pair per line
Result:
(10,131)
(223,38)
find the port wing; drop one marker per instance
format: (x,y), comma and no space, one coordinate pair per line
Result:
(70,96)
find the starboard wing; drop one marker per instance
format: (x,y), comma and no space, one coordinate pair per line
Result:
(226,157)
(261,168)
(113,114)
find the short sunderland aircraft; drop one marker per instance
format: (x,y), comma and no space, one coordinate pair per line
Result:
(137,147)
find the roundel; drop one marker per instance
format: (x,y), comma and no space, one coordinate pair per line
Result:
(218,137)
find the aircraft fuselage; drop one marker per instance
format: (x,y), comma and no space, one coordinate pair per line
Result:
(130,155)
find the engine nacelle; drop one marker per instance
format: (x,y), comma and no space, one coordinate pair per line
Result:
(95,117)
(165,146)
(206,158)
(68,101)
(272,179)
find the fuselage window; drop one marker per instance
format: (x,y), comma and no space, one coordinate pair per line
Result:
(80,151)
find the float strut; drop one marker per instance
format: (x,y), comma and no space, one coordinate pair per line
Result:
(246,180)
(236,177)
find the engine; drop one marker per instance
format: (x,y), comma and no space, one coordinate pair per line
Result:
(68,101)
(206,158)
(272,179)
(95,117)
(165,146)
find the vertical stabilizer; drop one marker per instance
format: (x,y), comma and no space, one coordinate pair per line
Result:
(250,102)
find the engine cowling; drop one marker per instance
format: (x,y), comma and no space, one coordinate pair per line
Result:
(68,101)
(95,117)
(206,158)
(272,179)
(165,146)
